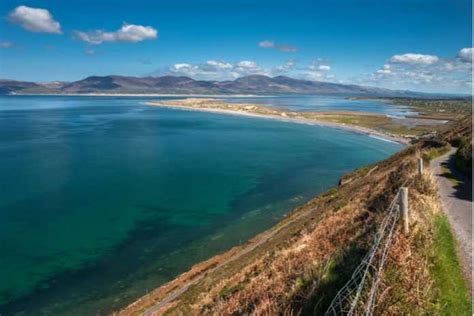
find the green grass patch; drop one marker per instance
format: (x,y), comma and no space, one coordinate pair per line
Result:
(338,271)
(394,277)
(452,294)
(229,290)
(434,153)
(448,175)
(399,129)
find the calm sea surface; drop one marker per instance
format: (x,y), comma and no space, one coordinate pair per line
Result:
(322,103)
(103,199)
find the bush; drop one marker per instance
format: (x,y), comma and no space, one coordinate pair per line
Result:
(464,157)
(395,180)
(456,141)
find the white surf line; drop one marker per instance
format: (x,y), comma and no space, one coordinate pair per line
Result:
(383,139)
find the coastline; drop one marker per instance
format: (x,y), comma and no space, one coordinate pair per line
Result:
(350,128)
(221,267)
(312,238)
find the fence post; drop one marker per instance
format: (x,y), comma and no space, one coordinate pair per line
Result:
(403,200)
(420,167)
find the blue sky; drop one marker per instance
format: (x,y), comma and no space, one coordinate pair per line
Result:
(404,44)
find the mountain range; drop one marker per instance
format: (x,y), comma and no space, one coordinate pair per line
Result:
(253,84)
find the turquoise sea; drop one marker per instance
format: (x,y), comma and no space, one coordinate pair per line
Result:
(104,198)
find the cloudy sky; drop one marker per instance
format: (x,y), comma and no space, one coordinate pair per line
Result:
(420,45)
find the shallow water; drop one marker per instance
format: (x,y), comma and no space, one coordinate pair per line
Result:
(328,103)
(102,199)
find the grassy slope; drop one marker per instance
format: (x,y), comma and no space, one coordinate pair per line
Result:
(438,286)
(445,269)
(423,275)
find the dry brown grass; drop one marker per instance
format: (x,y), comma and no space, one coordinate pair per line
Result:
(406,285)
(268,285)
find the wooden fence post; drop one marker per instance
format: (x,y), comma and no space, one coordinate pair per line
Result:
(420,167)
(403,200)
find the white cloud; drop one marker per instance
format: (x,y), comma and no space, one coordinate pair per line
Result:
(386,70)
(317,70)
(288,66)
(127,33)
(266,44)
(181,66)
(184,69)
(414,59)
(223,70)
(247,64)
(280,47)
(465,54)
(217,70)
(6,44)
(35,20)
(247,67)
(219,64)
(424,72)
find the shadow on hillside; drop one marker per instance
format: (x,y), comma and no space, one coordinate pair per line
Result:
(462,184)
(334,280)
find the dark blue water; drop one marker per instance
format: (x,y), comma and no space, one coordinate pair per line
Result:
(102,199)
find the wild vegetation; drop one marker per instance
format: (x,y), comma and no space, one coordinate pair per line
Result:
(463,154)
(459,135)
(444,108)
(441,108)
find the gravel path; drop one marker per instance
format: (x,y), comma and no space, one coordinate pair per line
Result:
(456,200)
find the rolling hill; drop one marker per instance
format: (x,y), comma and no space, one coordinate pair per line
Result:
(254,84)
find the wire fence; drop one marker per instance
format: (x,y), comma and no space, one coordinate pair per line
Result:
(366,277)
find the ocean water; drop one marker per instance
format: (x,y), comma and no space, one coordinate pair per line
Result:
(103,199)
(323,103)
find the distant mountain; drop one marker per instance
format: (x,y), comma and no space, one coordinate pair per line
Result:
(9,86)
(254,84)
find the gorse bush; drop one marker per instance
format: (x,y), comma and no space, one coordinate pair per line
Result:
(456,141)
(464,155)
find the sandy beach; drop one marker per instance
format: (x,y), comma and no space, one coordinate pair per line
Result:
(281,117)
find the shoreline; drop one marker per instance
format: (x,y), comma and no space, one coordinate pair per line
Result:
(351,128)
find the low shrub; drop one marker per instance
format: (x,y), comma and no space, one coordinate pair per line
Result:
(464,156)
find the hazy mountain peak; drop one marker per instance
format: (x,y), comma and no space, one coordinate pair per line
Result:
(252,84)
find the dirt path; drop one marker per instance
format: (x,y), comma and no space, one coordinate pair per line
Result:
(455,192)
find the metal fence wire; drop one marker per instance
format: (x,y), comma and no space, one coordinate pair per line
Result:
(366,277)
